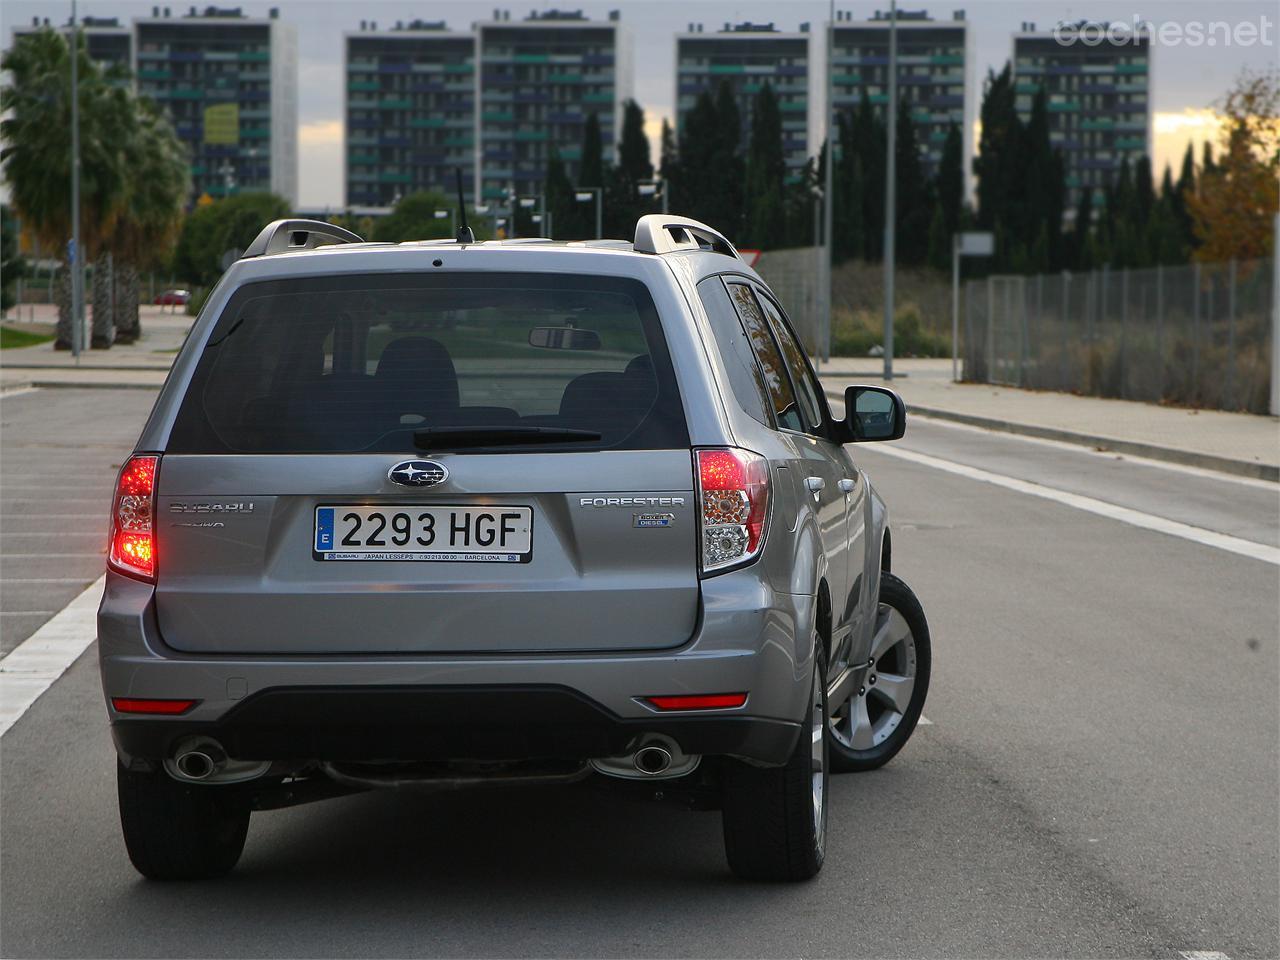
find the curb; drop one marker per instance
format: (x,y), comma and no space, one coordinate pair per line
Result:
(96,367)
(92,385)
(1189,458)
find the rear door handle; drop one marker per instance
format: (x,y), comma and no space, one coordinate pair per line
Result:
(815,484)
(847,485)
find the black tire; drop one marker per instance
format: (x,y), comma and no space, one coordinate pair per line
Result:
(896,594)
(179,831)
(768,812)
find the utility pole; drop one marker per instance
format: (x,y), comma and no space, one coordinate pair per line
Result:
(828,189)
(77,250)
(890,189)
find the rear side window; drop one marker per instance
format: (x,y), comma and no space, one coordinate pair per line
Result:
(793,354)
(346,364)
(745,379)
(776,380)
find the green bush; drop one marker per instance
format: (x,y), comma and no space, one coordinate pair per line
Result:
(854,333)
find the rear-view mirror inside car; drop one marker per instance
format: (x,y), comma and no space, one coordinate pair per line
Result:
(564,338)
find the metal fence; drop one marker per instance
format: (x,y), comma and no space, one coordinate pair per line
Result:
(1198,334)
(794,277)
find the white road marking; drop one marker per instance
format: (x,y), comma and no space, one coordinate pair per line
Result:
(1203,955)
(925,721)
(42,556)
(33,665)
(1210,538)
(44,579)
(16,392)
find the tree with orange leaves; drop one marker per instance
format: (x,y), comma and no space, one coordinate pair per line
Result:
(1234,209)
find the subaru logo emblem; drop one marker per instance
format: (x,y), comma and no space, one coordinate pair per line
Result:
(418,473)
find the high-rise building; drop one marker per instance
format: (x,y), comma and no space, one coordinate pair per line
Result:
(229,83)
(933,72)
(747,56)
(410,110)
(1097,83)
(109,43)
(540,79)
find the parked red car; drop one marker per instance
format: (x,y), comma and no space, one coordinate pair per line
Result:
(172,298)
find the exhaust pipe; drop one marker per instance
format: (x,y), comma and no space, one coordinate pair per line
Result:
(657,757)
(200,760)
(652,760)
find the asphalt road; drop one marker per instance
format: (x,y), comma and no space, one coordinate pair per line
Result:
(1100,778)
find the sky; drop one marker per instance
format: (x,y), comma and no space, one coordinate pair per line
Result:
(1187,78)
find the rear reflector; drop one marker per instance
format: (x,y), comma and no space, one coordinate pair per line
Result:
(700,701)
(167,707)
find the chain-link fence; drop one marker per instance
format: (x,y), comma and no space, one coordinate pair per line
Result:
(1198,334)
(793,275)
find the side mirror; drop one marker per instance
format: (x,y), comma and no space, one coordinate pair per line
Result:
(874,413)
(564,338)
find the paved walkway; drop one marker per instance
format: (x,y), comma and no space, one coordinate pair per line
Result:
(1239,442)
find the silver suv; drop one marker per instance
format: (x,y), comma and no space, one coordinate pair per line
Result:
(445,514)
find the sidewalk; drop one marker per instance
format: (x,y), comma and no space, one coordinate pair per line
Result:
(142,364)
(1239,443)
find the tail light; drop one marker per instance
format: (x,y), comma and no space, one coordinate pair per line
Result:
(733,506)
(133,519)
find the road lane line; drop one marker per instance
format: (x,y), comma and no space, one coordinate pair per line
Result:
(6,393)
(1147,521)
(33,665)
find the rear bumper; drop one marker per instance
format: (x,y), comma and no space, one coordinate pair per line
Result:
(445,723)
(474,707)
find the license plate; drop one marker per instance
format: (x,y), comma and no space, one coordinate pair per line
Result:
(438,532)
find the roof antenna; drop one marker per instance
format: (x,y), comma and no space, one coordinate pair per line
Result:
(464,231)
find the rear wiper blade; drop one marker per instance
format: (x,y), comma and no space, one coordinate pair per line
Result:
(457,438)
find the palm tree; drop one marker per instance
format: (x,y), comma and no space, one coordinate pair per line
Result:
(36,157)
(159,184)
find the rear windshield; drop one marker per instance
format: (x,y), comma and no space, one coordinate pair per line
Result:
(359,363)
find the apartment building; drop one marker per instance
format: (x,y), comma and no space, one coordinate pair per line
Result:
(1098,85)
(539,80)
(934,61)
(747,56)
(229,83)
(410,111)
(109,43)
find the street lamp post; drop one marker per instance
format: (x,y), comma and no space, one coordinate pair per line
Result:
(890,189)
(828,190)
(77,251)
(585,195)
(654,188)
(540,201)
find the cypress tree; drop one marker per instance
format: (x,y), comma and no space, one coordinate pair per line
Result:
(727,171)
(914,200)
(592,171)
(560,204)
(1081,232)
(765,174)
(950,178)
(633,147)
(669,163)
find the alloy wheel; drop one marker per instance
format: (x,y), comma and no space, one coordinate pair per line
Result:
(874,710)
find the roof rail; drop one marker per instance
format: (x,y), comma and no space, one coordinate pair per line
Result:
(286,236)
(664,233)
